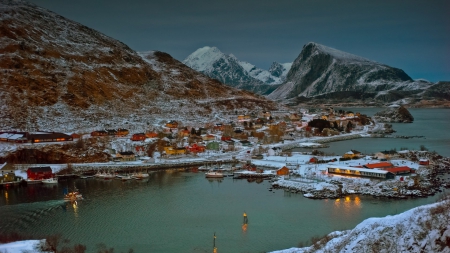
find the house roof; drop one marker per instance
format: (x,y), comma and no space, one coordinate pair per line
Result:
(399,169)
(49,135)
(40,169)
(378,165)
(126,153)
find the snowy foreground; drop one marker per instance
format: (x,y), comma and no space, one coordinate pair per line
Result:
(20,246)
(421,229)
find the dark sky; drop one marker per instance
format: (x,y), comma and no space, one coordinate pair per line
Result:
(407,34)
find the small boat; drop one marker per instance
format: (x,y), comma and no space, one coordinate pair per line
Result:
(213,174)
(73,196)
(50,181)
(125,177)
(140,175)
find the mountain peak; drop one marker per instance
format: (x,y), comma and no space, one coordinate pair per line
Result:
(313,47)
(203,58)
(233,72)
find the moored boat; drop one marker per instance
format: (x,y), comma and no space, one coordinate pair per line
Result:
(140,175)
(213,174)
(50,181)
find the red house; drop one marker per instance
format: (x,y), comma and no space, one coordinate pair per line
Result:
(38,173)
(138,137)
(225,138)
(196,148)
(424,162)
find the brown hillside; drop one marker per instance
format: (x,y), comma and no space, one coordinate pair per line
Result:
(59,75)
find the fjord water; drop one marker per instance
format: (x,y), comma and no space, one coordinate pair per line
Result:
(179,211)
(433,124)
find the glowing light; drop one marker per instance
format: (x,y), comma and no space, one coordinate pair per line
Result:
(347,199)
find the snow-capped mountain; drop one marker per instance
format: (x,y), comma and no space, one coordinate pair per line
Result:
(229,70)
(323,72)
(59,75)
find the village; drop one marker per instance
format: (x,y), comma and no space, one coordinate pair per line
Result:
(255,146)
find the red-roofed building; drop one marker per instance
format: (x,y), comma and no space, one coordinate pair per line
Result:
(138,137)
(399,170)
(283,171)
(195,148)
(383,165)
(424,162)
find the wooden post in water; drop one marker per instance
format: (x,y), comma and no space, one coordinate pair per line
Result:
(214,243)
(245,218)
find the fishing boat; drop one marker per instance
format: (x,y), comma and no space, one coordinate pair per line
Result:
(50,181)
(73,196)
(213,174)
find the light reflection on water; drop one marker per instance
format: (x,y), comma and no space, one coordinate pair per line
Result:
(177,211)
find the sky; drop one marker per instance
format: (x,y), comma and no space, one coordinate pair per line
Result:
(411,35)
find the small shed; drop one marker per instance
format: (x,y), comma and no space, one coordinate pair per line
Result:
(424,162)
(283,171)
(39,173)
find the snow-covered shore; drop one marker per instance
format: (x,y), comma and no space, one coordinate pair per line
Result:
(421,229)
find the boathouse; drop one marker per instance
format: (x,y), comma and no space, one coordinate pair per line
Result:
(38,173)
(352,171)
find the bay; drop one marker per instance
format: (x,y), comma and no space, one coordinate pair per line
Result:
(179,211)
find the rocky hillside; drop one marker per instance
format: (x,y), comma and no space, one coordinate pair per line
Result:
(229,70)
(321,72)
(59,75)
(394,114)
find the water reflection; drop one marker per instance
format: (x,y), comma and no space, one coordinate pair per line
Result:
(348,203)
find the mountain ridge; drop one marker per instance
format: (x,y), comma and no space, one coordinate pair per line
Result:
(321,72)
(239,74)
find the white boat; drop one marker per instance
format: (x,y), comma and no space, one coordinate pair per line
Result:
(140,175)
(213,174)
(34,181)
(104,175)
(50,181)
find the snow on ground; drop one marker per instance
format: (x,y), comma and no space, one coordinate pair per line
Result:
(421,229)
(20,246)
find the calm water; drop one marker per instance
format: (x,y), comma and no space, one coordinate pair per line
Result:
(433,124)
(178,211)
